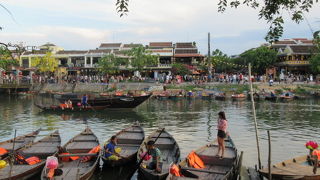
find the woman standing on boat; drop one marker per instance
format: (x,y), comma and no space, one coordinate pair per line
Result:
(222,133)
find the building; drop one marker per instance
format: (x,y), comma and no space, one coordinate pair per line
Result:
(293,54)
(74,62)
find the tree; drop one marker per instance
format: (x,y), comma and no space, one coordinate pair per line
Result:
(260,58)
(140,58)
(220,61)
(315,63)
(46,63)
(181,69)
(270,10)
(6,58)
(110,63)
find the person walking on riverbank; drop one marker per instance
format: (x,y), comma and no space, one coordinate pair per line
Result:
(222,133)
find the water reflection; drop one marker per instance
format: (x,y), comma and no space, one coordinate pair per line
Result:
(191,122)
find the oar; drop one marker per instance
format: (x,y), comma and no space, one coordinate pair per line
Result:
(141,160)
(11,158)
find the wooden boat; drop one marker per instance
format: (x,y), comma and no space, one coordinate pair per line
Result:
(256,96)
(75,108)
(170,153)
(288,96)
(176,96)
(238,97)
(41,149)
(108,102)
(220,97)
(77,170)
(20,142)
(296,168)
(129,140)
(215,168)
(271,98)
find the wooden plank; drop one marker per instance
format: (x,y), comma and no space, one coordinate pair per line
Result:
(79,154)
(203,170)
(85,138)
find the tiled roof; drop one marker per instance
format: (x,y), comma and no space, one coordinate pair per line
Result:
(161,50)
(185,45)
(110,45)
(160,44)
(186,51)
(285,42)
(307,41)
(106,51)
(131,45)
(303,49)
(72,52)
(188,55)
(35,52)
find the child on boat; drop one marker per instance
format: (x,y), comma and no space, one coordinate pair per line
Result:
(110,152)
(222,133)
(156,163)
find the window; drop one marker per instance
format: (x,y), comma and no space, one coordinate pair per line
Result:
(88,60)
(25,63)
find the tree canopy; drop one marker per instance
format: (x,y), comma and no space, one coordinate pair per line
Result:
(6,58)
(260,58)
(46,63)
(220,61)
(180,69)
(269,10)
(110,63)
(140,58)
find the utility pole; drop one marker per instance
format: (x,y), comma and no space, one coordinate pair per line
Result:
(209,57)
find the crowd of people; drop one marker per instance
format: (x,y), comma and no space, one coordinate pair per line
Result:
(228,78)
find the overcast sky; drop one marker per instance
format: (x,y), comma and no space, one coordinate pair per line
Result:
(84,24)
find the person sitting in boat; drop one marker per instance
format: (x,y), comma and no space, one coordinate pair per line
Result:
(190,94)
(70,104)
(84,101)
(64,105)
(222,133)
(156,163)
(272,94)
(110,152)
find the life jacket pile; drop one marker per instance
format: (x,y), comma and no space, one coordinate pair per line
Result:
(316,153)
(195,161)
(92,151)
(20,159)
(3,151)
(67,159)
(175,170)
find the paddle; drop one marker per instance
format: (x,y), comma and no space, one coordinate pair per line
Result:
(12,158)
(141,160)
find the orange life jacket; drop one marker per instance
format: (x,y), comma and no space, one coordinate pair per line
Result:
(92,151)
(195,161)
(3,151)
(174,170)
(50,174)
(20,158)
(316,153)
(65,159)
(33,160)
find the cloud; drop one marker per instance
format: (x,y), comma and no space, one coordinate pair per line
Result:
(77,24)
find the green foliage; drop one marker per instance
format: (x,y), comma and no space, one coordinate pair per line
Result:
(181,69)
(260,58)
(140,58)
(6,59)
(110,63)
(278,91)
(46,63)
(315,63)
(301,91)
(221,62)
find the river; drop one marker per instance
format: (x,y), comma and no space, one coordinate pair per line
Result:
(191,122)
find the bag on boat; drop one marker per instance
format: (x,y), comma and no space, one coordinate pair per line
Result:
(175,170)
(195,161)
(33,160)
(3,151)
(51,164)
(92,151)
(316,153)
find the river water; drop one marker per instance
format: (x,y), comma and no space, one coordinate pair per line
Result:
(191,122)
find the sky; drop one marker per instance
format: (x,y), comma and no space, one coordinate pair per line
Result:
(84,24)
